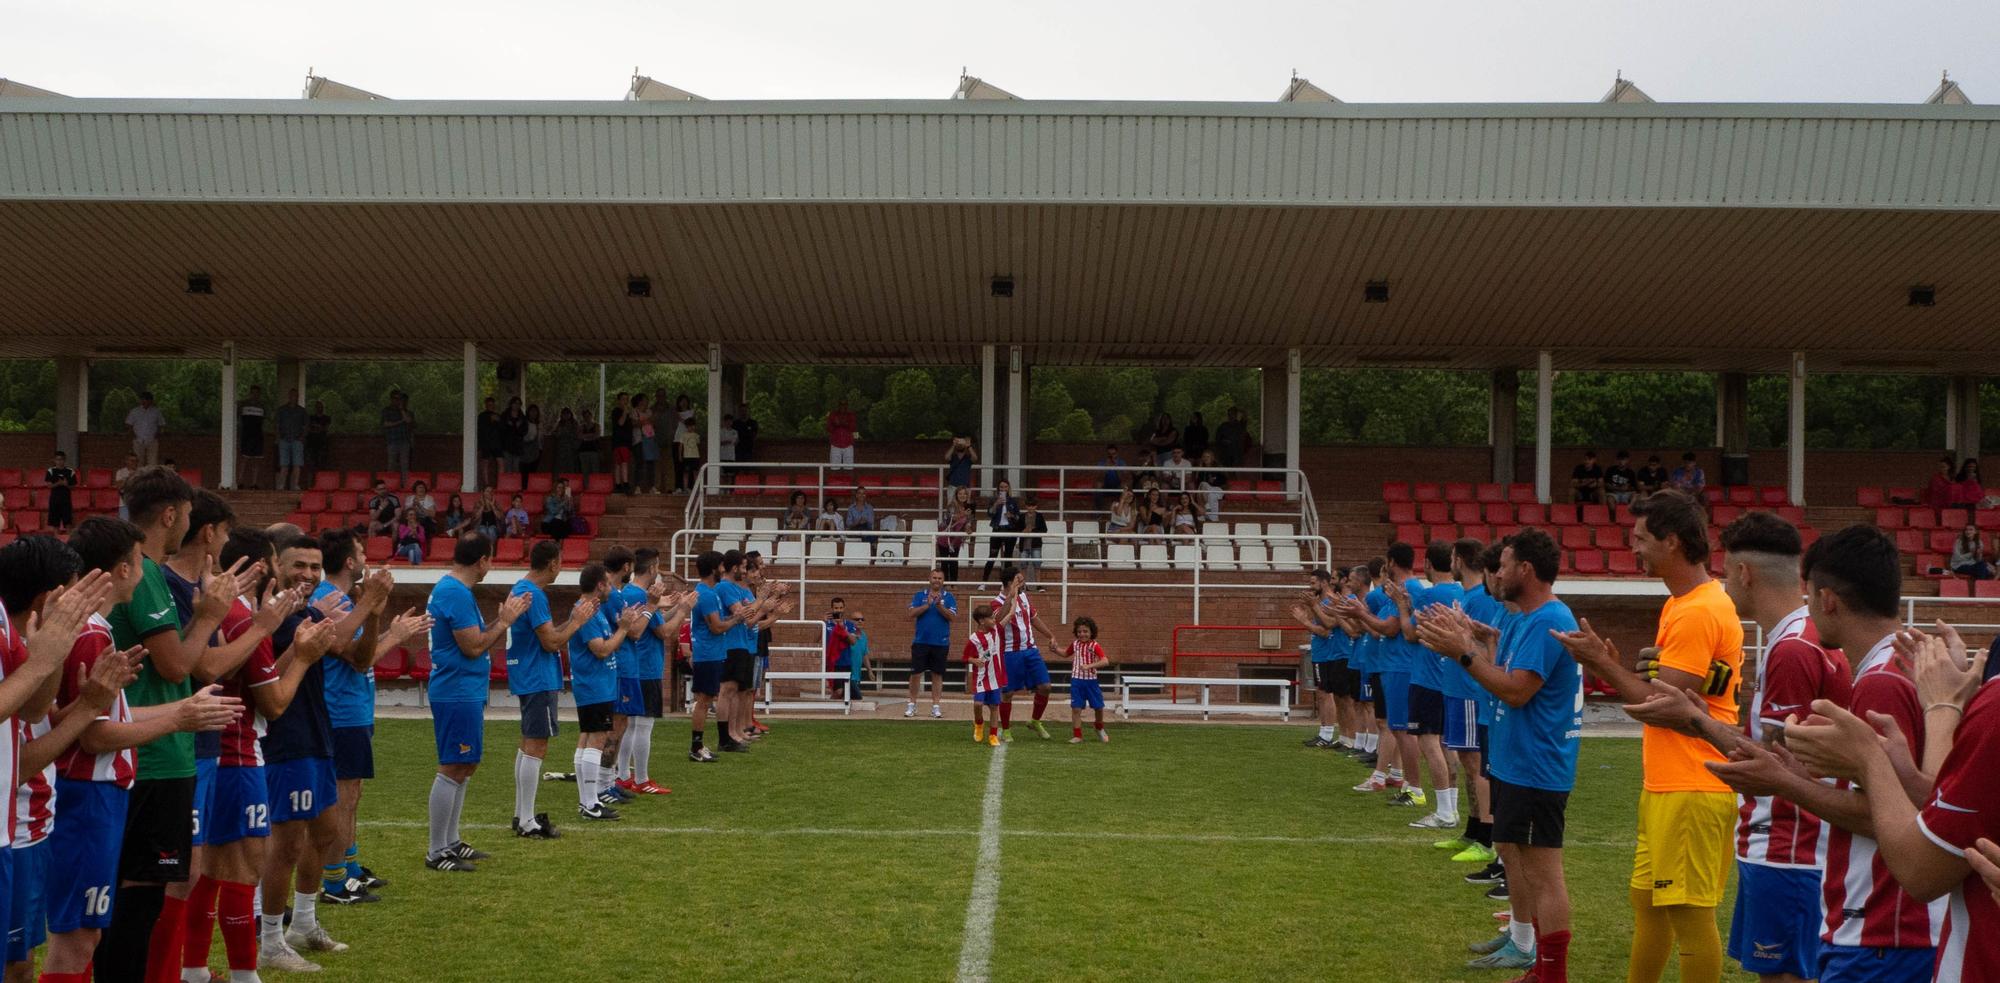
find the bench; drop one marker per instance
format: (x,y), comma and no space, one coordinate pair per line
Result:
(1127,705)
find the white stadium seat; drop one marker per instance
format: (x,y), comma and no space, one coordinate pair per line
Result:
(825,551)
(732,523)
(1153,556)
(1249,529)
(1086,544)
(924,525)
(764,523)
(1279,529)
(855,553)
(1254,556)
(790,551)
(1285,557)
(761,547)
(724,544)
(1121,556)
(923,553)
(1221,556)
(1187,556)
(889,552)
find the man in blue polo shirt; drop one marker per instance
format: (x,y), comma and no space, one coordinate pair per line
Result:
(739,671)
(1431,684)
(649,651)
(626,702)
(707,635)
(460,673)
(934,610)
(1315,614)
(534,677)
(1382,617)
(594,651)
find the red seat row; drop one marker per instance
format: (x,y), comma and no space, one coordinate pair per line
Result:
(1895,517)
(1960,587)
(90,478)
(80,499)
(1519,493)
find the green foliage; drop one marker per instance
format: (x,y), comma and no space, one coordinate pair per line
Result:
(1420,407)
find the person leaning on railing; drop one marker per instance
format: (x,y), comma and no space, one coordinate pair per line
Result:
(951,539)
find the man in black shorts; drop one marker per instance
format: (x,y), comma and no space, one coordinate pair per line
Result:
(932,611)
(593,654)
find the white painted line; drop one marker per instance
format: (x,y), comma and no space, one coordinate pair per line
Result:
(975,954)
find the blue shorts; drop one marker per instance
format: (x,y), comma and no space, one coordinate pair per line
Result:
(1085,693)
(459,727)
(299,789)
(1396,699)
(708,677)
(1776,926)
(1461,724)
(241,808)
(291,453)
(1025,670)
(204,798)
(631,700)
(27,925)
(1851,964)
(354,753)
(83,854)
(989,698)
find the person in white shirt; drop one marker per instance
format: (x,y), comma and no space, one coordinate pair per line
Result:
(1174,470)
(145,422)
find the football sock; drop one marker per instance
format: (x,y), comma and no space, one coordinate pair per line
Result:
(442,790)
(272,929)
(458,809)
(1100,726)
(1041,704)
(1395,774)
(1448,803)
(198,926)
(239,925)
(621,767)
(163,951)
(642,751)
(1523,932)
(1326,733)
(1076,731)
(527,779)
(1007,715)
(1552,959)
(121,950)
(589,776)
(1652,939)
(1700,943)
(696,746)
(333,877)
(1378,777)
(305,911)
(354,854)
(48,977)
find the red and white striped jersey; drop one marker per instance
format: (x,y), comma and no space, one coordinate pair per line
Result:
(241,744)
(1017,633)
(15,655)
(1863,904)
(1771,831)
(1081,655)
(991,676)
(118,767)
(1965,806)
(35,797)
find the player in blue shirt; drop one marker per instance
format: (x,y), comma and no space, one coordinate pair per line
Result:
(626,703)
(1314,614)
(640,696)
(1369,729)
(1430,683)
(1465,724)
(712,621)
(739,673)
(534,677)
(594,650)
(460,672)
(1535,735)
(933,610)
(1382,615)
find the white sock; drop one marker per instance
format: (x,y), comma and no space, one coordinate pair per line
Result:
(586,776)
(194,974)
(273,929)
(1326,733)
(244,976)
(527,781)
(1374,741)
(1378,777)
(1396,773)
(305,915)
(642,751)
(1524,935)
(1448,803)
(621,769)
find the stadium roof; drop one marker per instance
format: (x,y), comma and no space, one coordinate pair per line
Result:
(1617,234)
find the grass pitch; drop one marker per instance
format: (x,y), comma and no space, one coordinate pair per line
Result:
(846,850)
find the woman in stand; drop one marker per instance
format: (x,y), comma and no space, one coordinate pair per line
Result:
(589,441)
(951,540)
(454,520)
(798,515)
(411,537)
(1966,490)
(566,442)
(1123,515)
(1968,555)
(558,510)
(1211,484)
(422,505)
(489,517)
(1003,518)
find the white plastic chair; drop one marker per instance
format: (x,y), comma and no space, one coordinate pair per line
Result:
(1121,556)
(1221,556)
(825,552)
(761,547)
(1253,556)
(725,544)
(732,523)
(764,523)
(1153,556)
(923,553)
(790,551)
(924,525)
(1279,529)
(855,553)
(1249,529)
(1285,556)
(1187,556)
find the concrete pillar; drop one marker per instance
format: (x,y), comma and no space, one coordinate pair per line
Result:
(601,421)
(733,388)
(291,375)
(1545,412)
(1951,392)
(1732,412)
(468,423)
(72,407)
(717,381)
(1503,421)
(988,413)
(1278,423)
(1017,414)
(1795,433)
(1961,432)
(227,478)
(513,375)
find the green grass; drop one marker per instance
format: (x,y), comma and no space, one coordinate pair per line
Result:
(846,850)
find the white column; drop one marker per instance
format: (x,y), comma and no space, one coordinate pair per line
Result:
(1545,409)
(83,405)
(72,408)
(227,477)
(468,441)
(1795,433)
(1721,411)
(714,440)
(1293,400)
(1017,415)
(600,395)
(1951,412)
(988,413)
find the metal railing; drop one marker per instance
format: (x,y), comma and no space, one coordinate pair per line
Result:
(819,481)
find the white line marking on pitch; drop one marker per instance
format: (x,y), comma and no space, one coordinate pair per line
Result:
(975,954)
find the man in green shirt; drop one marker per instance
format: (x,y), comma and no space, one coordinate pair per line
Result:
(159,824)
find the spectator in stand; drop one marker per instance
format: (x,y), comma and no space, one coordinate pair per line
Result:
(1620,480)
(1586,480)
(725,445)
(531,439)
(1689,477)
(491,438)
(563,442)
(829,518)
(683,410)
(291,424)
(1966,491)
(411,536)
(860,516)
(798,515)
(516,524)
(1153,516)
(840,436)
(250,439)
(746,433)
(958,461)
(454,521)
(423,506)
(1211,484)
(1187,516)
(1033,528)
(621,443)
(1652,477)
(145,423)
(589,440)
(1176,471)
(559,511)
(488,519)
(1003,519)
(1231,438)
(1123,517)
(645,447)
(1164,438)
(118,481)
(687,457)
(382,508)
(1937,494)
(319,427)
(1969,555)
(61,478)
(513,435)
(951,538)
(1145,474)
(399,430)
(1113,476)
(1194,437)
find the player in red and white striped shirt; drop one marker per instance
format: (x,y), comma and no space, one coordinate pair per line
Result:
(1016,621)
(1085,656)
(985,675)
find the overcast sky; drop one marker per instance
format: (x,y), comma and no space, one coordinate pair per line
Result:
(1380,51)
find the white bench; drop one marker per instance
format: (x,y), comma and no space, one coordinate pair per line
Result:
(1127,705)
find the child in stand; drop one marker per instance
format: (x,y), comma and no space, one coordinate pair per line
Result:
(61,478)
(985,677)
(1085,656)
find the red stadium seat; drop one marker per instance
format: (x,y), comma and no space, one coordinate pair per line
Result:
(510,551)
(1413,535)
(1713,495)
(541,481)
(1562,514)
(1931,565)
(1532,514)
(591,503)
(1047,482)
(27,521)
(1433,534)
(1986,588)
(1615,537)
(192,476)
(1395,491)
(394,665)
(1594,515)
(1988,519)
(378,549)
(497,670)
(1458,491)
(1465,513)
(1869,498)
(597,484)
(1576,538)
(426,477)
(533,502)
(1923,519)
(300,519)
(905,485)
(1891,518)
(1482,533)
(326,481)
(104,499)
(98,478)
(576,551)
(1941,539)
(1402,513)
(1499,513)
(323,521)
(1521,493)
(357,481)
(312,501)
(928,485)
(1774,495)
(1590,562)
(1490,492)
(1434,513)
(1715,563)
(10,477)
(1742,495)
(419,667)
(1426,491)
(1792,514)
(1953,587)
(1725,514)
(439,550)
(1909,541)
(1808,536)
(508,483)
(344,502)
(1954,519)
(1907,496)
(1622,563)
(36,478)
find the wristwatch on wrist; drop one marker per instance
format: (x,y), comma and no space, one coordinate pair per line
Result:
(1465,659)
